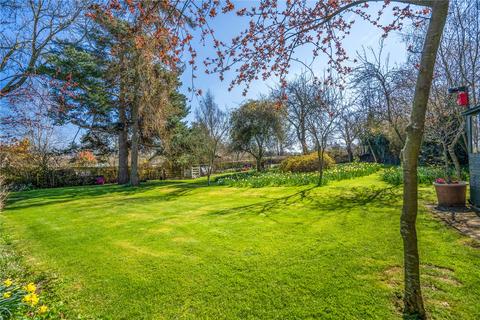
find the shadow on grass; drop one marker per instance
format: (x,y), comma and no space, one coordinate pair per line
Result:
(44,197)
(345,200)
(340,200)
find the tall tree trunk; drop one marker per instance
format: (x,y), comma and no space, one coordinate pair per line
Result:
(123,130)
(134,180)
(413,301)
(123,147)
(320,154)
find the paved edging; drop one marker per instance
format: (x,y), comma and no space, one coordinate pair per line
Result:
(465,220)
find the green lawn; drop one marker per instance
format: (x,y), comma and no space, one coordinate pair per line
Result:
(181,250)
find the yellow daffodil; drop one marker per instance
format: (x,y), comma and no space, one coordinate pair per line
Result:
(34,300)
(8,283)
(43,309)
(31,299)
(30,287)
(27,298)
(7,294)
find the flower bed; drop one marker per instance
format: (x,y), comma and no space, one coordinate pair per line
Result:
(426,175)
(255,179)
(17,301)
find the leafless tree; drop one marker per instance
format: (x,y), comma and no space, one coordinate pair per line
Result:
(443,124)
(458,64)
(320,121)
(30,119)
(285,138)
(297,97)
(459,53)
(214,123)
(459,57)
(385,85)
(27,31)
(349,128)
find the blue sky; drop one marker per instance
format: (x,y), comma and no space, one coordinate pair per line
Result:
(227,26)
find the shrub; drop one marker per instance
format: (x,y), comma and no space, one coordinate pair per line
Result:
(426,175)
(305,163)
(392,176)
(3,193)
(85,158)
(27,178)
(255,179)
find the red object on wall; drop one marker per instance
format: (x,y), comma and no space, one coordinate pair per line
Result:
(462,99)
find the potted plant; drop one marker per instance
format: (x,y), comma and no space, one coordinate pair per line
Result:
(450,193)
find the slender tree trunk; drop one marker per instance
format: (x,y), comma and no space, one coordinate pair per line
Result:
(348,142)
(455,161)
(451,150)
(123,147)
(134,180)
(320,154)
(445,159)
(372,151)
(302,136)
(212,162)
(413,301)
(209,171)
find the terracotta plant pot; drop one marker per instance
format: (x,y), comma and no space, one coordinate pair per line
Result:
(451,194)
